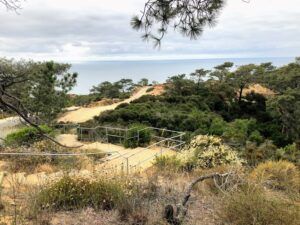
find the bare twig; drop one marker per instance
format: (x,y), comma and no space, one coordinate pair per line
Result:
(181,211)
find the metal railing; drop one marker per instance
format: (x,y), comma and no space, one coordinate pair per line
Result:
(162,138)
(105,133)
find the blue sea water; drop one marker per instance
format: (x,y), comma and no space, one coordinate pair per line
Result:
(94,72)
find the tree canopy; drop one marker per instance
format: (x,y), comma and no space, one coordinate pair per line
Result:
(216,103)
(187,17)
(35,91)
(118,89)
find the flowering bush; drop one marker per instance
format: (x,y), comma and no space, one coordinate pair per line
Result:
(75,193)
(208,151)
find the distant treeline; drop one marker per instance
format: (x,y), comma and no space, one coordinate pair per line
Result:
(44,88)
(215,102)
(120,89)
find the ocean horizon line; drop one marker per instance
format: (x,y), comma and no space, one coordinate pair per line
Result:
(92,73)
(172,59)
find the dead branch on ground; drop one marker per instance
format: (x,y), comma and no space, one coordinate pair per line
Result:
(176,217)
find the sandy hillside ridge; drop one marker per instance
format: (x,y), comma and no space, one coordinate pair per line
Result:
(259,89)
(84,114)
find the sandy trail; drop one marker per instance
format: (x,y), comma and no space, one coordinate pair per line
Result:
(120,158)
(115,163)
(84,114)
(119,153)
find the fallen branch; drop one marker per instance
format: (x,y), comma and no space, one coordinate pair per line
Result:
(181,210)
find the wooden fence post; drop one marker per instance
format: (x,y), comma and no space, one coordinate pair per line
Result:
(127,165)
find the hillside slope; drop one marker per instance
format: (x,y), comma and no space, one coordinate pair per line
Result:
(84,114)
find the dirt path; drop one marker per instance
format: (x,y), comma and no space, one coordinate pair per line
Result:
(84,114)
(139,159)
(119,153)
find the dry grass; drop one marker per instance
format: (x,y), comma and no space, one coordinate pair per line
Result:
(145,196)
(281,175)
(252,206)
(83,217)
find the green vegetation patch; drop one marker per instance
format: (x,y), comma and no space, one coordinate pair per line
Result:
(138,135)
(26,136)
(168,163)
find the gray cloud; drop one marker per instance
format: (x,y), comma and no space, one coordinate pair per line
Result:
(47,32)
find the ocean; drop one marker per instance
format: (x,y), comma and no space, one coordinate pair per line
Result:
(94,72)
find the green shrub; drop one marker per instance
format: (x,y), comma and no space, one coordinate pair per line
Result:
(217,127)
(251,206)
(26,136)
(290,153)
(122,105)
(255,154)
(255,136)
(77,193)
(238,131)
(168,163)
(138,135)
(81,100)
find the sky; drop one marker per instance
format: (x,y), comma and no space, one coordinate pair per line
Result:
(95,30)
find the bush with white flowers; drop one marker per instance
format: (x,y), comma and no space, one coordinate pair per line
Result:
(208,151)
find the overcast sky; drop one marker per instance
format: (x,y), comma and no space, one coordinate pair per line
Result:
(84,30)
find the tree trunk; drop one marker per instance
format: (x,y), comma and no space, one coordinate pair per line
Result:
(241,93)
